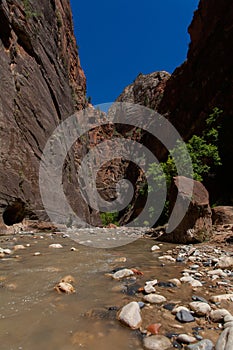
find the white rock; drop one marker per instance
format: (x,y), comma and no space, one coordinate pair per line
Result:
(122,274)
(149,289)
(19,247)
(195,283)
(201,309)
(185,338)
(154,248)
(55,246)
(167,258)
(154,298)
(186,279)
(7,251)
(130,315)
(175,281)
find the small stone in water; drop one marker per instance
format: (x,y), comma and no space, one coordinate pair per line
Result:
(122,274)
(154,248)
(197,298)
(169,306)
(154,298)
(130,315)
(64,287)
(186,339)
(156,342)
(55,246)
(37,254)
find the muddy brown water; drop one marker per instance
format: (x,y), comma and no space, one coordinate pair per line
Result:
(33,316)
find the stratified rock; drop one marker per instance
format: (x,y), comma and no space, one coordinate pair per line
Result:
(146,90)
(199,85)
(222,215)
(196,226)
(130,315)
(156,342)
(42,83)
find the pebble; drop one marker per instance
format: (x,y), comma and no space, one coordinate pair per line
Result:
(154,328)
(178,309)
(155,247)
(154,298)
(156,342)
(36,254)
(64,287)
(122,274)
(185,338)
(55,246)
(175,281)
(218,315)
(149,289)
(130,315)
(167,258)
(200,308)
(204,344)
(19,247)
(195,283)
(184,316)
(7,251)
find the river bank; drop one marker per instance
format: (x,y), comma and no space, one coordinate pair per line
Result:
(34,315)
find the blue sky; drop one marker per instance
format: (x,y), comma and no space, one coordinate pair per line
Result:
(118,39)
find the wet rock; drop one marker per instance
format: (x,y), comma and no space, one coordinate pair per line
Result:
(154,328)
(175,281)
(156,342)
(149,286)
(7,251)
(141,304)
(149,289)
(55,246)
(122,274)
(218,315)
(154,248)
(184,316)
(37,254)
(204,344)
(222,297)
(167,258)
(68,279)
(154,298)
(225,341)
(64,287)
(130,315)
(19,247)
(185,338)
(200,308)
